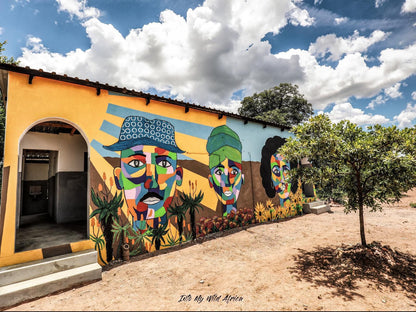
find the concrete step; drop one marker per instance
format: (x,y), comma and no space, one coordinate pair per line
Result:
(44,285)
(316,208)
(315,203)
(29,270)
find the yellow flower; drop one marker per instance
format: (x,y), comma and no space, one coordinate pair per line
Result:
(269,205)
(259,212)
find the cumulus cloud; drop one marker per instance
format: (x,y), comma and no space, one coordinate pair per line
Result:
(1,30)
(409,6)
(414,95)
(393,92)
(217,49)
(78,8)
(345,111)
(340,20)
(336,47)
(203,57)
(379,3)
(406,117)
(352,76)
(388,93)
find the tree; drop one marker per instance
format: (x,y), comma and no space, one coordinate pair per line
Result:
(4,59)
(282,104)
(361,168)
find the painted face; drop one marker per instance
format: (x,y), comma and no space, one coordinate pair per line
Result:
(148,175)
(226,179)
(280,173)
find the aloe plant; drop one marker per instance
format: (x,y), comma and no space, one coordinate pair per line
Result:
(179,211)
(107,211)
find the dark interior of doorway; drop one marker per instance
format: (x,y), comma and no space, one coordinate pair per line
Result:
(47,217)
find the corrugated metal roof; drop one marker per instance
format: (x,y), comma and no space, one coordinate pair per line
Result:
(99,86)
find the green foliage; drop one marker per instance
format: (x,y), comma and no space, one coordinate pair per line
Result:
(106,208)
(157,235)
(127,230)
(191,202)
(99,244)
(4,59)
(282,104)
(356,167)
(413,205)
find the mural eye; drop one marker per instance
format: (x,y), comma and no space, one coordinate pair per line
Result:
(135,163)
(218,171)
(234,171)
(276,170)
(164,164)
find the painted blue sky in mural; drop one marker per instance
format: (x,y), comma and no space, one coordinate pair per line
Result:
(352,59)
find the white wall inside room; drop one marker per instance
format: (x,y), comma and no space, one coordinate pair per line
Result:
(36,172)
(70,148)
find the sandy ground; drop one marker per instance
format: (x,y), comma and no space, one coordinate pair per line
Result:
(255,266)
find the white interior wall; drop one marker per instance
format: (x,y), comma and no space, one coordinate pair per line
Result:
(71,148)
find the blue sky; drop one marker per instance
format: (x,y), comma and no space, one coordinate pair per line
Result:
(352,59)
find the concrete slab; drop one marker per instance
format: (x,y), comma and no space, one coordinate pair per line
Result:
(44,285)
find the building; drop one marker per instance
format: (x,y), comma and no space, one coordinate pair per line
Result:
(82,158)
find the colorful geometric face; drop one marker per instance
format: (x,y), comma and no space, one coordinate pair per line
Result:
(226,178)
(148,175)
(280,175)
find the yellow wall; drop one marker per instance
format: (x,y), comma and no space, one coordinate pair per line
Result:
(47,99)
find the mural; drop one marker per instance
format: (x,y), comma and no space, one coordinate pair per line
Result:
(274,170)
(226,177)
(152,207)
(159,174)
(148,172)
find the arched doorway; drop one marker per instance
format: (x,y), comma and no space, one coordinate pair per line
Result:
(52,205)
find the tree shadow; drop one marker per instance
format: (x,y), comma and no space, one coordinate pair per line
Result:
(341,268)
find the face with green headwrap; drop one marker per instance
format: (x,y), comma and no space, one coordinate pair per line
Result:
(224,148)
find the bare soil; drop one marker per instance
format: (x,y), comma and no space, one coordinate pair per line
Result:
(313,262)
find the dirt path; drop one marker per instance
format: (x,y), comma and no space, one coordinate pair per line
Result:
(254,266)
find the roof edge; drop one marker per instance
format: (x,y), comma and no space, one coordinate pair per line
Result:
(100,86)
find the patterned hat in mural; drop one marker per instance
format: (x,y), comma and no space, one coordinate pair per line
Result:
(137,130)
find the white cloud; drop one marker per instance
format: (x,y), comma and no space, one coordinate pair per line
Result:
(1,30)
(406,117)
(336,47)
(340,20)
(389,93)
(315,2)
(345,111)
(323,84)
(393,92)
(414,95)
(78,8)
(300,17)
(204,58)
(380,99)
(379,3)
(409,6)
(216,49)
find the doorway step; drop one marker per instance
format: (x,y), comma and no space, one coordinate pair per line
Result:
(316,207)
(26,281)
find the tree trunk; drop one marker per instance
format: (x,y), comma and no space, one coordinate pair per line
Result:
(362,232)
(193,225)
(108,236)
(180,228)
(157,243)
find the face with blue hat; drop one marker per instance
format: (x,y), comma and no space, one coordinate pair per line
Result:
(148,171)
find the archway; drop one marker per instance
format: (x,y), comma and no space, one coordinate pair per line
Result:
(52,205)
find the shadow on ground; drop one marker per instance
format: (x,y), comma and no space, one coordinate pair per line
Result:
(341,268)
